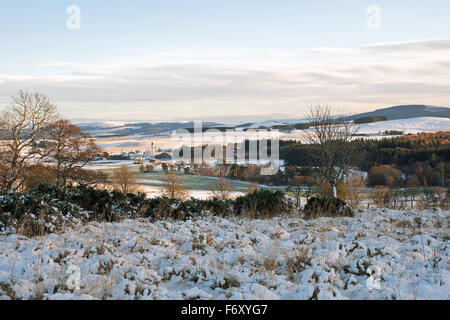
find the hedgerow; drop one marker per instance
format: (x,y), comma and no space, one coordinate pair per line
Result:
(47,208)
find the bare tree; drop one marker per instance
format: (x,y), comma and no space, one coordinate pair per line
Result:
(124,180)
(443,169)
(221,189)
(381,196)
(302,185)
(23,127)
(353,190)
(173,188)
(332,151)
(71,148)
(413,189)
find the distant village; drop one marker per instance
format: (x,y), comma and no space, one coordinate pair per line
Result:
(160,159)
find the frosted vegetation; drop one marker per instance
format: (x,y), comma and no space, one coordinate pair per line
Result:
(212,257)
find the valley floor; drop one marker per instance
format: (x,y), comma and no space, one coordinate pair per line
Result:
(218,258)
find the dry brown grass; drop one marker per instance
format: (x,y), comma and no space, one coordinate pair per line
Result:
(270,264)
(404,224)
(300,260)
(202,241)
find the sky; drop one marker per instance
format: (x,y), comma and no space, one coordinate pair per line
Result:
(224,60)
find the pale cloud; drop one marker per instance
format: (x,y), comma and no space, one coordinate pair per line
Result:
(412,46)
(222,84)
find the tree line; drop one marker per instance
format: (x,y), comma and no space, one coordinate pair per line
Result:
(424,157)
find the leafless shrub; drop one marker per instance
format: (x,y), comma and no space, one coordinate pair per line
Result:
(221,189)
(381,196)
(173,188)
(353,187)
(124,180)
(302,185)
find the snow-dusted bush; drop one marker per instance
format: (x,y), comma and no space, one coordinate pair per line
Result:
(48,208)
(328,207)
(37,213)
(263,204)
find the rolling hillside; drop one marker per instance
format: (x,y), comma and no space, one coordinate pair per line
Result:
(414,125)
(407,112)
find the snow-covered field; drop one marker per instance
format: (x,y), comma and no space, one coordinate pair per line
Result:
(413,125)
(217,258)
(154,191)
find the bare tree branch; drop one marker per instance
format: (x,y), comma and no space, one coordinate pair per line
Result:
(22,125)
(331,135)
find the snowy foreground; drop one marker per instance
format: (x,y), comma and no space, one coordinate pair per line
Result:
(215,258)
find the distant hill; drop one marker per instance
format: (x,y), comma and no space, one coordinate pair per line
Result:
(111,129)
(118,129)
(392,113)
(406,112)
(413,125)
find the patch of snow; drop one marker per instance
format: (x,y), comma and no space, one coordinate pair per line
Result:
(235,258)
(413,125)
